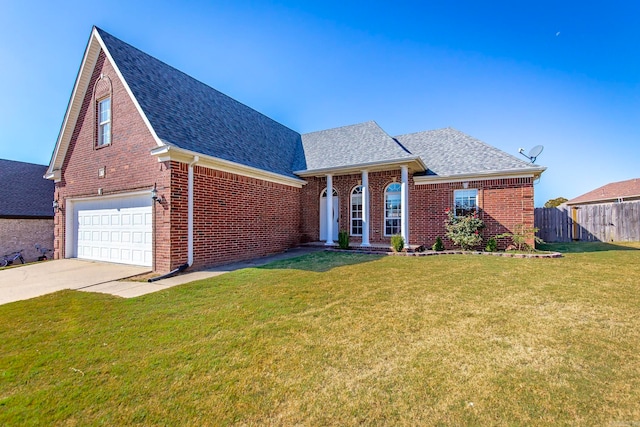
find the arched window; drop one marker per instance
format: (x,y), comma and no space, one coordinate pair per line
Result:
(392,209)
(356,211)
(102,94)
(324,193)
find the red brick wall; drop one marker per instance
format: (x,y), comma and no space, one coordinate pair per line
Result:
(128,164)
(503,203)
(235,217)
(344,184)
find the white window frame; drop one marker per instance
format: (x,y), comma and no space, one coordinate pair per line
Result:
(393,213)
(356,221)
(465,201)
(104,126)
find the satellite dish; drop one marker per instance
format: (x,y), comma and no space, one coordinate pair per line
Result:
(533,153)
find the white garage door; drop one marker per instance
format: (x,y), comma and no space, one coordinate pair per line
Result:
(115,230)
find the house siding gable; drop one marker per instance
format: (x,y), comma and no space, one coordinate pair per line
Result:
(127,162)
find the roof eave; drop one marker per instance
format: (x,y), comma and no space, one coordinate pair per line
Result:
(75,104)
(81,85)
(415,163)
(603,200)
(480,176)
(171,152)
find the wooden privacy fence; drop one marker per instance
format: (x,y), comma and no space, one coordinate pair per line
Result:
(610,222)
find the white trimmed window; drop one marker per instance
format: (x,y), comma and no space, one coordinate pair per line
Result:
(356,211)
(104,122)
(465,202)
(392,209)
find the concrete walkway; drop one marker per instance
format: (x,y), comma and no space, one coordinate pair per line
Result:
(131,289)
(43,278)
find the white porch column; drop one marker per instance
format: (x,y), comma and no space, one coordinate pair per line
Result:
(365,208)
(329,226)
(404,204)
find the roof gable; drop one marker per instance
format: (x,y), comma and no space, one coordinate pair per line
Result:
(188,114)
(24,192)
(449,152)
(358,144)
(610,192)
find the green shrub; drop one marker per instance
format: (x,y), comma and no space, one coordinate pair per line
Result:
(397,242)
(343,240)
(463,231)
(438,245)
(492,245)
(519,236)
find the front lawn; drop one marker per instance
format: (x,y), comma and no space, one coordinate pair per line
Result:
(339,339)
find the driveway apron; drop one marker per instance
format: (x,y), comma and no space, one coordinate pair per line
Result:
(45,277)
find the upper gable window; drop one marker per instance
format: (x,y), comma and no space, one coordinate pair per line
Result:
(104,122)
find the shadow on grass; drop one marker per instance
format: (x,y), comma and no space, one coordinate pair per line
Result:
(320,261)
(582,247)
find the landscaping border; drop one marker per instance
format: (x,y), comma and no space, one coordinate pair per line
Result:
(451,252)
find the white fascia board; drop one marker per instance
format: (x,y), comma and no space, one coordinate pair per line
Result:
(169,152)
(128,89)
(77,97)
(73,108)
(415,162)
(56,175)
(483,176)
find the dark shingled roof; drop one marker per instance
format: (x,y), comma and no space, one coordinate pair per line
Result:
(24,192)
(448,152)
(190,115)
(193,116)
(350,145)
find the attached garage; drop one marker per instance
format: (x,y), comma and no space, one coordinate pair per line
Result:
(112,229)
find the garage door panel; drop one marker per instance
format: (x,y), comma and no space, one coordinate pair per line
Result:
(114,231)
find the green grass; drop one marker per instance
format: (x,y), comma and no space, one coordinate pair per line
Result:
(340,339)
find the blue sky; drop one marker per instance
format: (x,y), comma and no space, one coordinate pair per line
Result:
(565,75)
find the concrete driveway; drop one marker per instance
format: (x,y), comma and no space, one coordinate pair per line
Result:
(42,278)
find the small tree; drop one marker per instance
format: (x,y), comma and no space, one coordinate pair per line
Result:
(464,231)
(554,203)
(397,242)
(520,235)
(438,245)
(343,240)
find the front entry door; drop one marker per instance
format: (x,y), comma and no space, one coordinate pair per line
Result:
(323,216)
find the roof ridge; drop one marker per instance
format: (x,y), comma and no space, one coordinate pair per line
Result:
(346,126)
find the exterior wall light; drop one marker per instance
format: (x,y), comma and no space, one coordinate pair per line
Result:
(154,195)
(56,206)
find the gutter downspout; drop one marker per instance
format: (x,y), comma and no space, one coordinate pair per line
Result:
(190,211)
(189,262)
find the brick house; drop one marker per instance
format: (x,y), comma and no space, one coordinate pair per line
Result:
(153,167)
(26,214)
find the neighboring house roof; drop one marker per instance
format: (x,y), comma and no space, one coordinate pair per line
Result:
(193,116)
(360,144)
(615,191)
(449,152)
(24,192)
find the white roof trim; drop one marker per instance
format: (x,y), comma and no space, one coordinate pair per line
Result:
(95,45)
(170,152)
(416,162)
(482,176)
